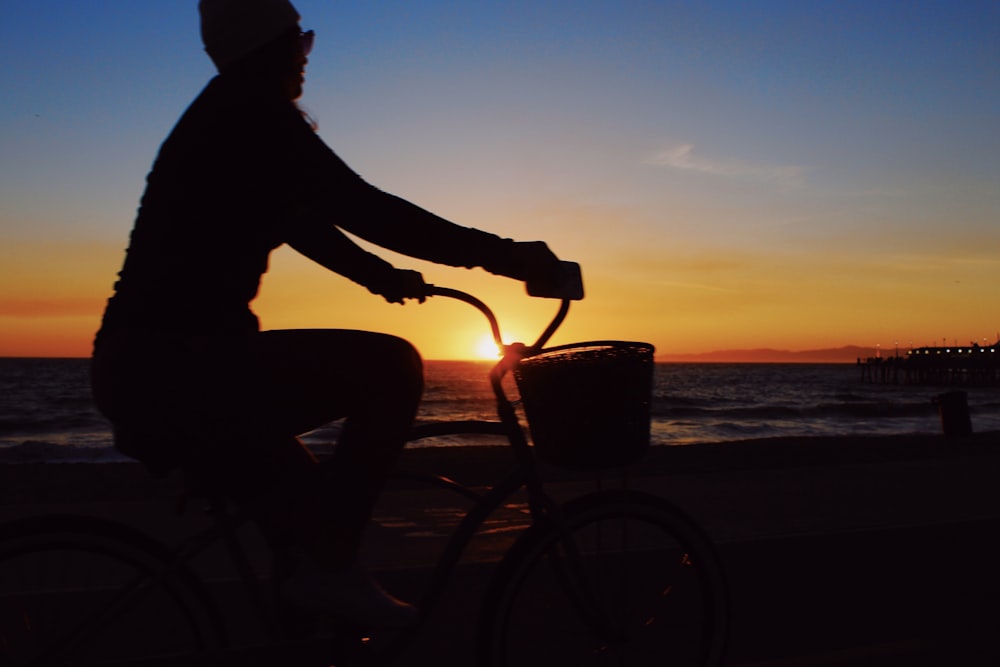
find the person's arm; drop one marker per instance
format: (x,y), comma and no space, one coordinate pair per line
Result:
(331,248)
(392,222)
(335,194)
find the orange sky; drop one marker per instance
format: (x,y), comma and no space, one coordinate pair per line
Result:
(52,307)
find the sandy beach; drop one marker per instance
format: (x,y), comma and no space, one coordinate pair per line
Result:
(839,551)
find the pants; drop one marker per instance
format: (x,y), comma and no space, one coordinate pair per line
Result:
(229,408)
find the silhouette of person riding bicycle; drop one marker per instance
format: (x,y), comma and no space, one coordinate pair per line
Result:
(180,365)
(597,570)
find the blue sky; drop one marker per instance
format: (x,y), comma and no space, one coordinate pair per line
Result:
(730,174)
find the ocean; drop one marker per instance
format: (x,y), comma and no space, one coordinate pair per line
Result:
(46,414)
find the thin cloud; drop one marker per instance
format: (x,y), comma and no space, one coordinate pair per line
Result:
(703,287)
(683,157)
(917,262)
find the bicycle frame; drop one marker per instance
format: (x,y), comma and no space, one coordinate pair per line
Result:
(524,475)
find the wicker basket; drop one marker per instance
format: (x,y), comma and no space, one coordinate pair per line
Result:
(587,404)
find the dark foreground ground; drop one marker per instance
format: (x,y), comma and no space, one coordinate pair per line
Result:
(838,551)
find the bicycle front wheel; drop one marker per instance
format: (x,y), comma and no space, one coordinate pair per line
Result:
(77,590)
(630,580)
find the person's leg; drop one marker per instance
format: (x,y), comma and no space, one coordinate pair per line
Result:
(233,406)
(197,403)
(311,377)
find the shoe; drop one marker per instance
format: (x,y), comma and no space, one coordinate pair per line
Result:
(351,593)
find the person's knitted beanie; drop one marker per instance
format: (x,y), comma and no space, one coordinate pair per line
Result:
(232,29)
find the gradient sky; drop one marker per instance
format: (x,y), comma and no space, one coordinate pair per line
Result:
(795,175)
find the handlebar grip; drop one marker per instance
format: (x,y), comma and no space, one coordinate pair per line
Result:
(567,286)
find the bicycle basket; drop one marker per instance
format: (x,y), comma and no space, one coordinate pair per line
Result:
(587,404)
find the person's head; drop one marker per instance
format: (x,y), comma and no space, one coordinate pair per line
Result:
(261,37)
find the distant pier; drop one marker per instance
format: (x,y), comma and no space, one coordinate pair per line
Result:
(971,366)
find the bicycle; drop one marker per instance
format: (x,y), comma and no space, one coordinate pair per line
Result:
(614,576)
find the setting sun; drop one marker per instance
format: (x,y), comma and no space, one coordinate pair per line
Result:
(486,348)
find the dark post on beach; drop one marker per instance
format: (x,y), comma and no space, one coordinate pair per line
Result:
(954,409)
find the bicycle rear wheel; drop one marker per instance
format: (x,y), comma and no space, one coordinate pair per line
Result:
(78,590)
(641,585)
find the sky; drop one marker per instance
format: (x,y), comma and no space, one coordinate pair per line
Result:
(729,174)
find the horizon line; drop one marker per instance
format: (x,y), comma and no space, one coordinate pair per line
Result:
(844,354)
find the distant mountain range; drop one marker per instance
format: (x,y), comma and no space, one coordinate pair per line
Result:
(846,354)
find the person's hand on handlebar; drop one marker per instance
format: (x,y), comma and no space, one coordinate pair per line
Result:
(529,262)
(397,285)
(543,274)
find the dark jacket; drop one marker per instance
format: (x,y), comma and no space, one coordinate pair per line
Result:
(242,173)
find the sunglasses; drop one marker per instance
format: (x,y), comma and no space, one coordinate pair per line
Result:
(306,40)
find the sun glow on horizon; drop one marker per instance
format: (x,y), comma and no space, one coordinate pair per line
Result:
(486,348)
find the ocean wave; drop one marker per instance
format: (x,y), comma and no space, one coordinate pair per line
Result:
(885,409)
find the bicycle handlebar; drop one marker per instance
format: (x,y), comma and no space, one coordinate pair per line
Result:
(468,298)
(434,290)
(568,286)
